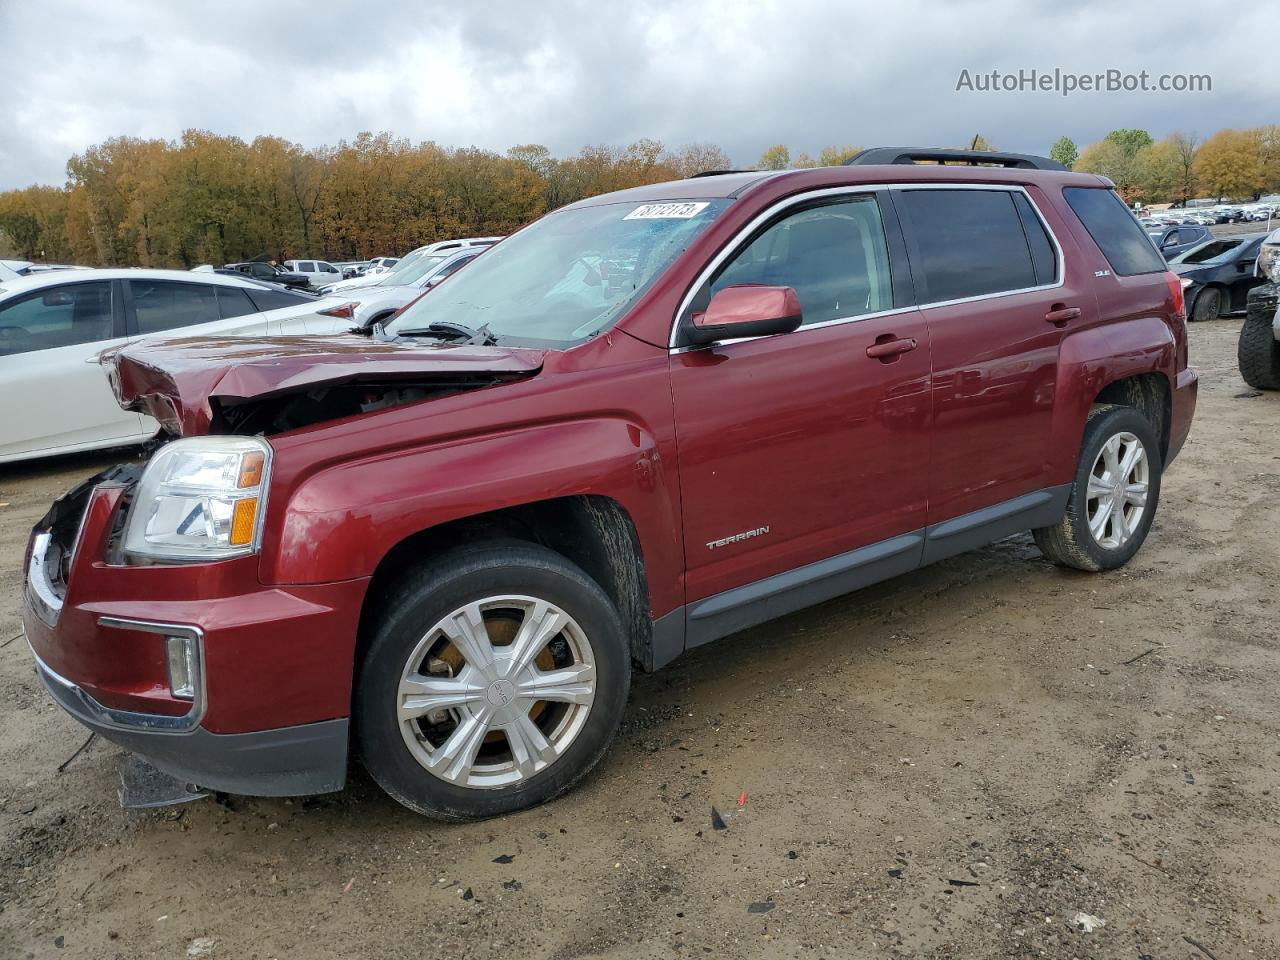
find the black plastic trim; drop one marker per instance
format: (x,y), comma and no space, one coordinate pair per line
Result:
(1041,508)
(285,762)
(908,155)
(754,603)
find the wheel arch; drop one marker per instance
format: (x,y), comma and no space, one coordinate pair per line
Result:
(595,532)
(1130,363)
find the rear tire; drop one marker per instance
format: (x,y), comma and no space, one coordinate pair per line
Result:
(495,680)
(1259,354)
(1105,524)
(1208,305)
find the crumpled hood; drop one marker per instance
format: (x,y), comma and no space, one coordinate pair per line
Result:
(176,381)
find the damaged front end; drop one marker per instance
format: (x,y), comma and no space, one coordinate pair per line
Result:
(263,386)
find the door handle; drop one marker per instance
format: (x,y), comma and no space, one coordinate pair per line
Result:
(1061,314)
(888,348)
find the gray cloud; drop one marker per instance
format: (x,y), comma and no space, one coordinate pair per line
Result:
(569,72)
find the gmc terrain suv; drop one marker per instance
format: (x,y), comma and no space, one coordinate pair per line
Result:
(644,422)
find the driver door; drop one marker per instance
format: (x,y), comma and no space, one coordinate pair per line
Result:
(803,456)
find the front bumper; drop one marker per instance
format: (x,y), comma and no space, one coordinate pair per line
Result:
(269,668)
(290,761)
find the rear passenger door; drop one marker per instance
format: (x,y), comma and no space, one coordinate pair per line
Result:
(989,280)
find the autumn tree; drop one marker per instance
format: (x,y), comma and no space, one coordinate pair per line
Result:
(1228,164)
(1129,140)
(1064,152)
(776,157)
(698,158)
(837,156)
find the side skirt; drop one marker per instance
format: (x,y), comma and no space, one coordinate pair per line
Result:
(754,603)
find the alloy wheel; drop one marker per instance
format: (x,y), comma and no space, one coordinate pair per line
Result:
(496,691)
(1117,494)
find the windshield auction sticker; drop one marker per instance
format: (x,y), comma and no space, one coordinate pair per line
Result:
(666,211)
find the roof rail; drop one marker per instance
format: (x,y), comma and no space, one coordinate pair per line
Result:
(719,173)
(972,158)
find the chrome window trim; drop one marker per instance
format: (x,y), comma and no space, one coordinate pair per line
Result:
(73,698)
(768,213)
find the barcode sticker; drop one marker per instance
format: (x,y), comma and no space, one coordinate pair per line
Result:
(666,211)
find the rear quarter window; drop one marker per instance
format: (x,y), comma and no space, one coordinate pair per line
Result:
(1120,237)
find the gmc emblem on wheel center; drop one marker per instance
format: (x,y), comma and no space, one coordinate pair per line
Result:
(745,535)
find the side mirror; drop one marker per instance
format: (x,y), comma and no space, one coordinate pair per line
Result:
(57,298)
(735,313)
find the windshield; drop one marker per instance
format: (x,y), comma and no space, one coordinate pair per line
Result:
(1211,251)
(409,270)
(568,276)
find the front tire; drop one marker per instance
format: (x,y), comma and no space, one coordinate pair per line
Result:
(1259,354)
(495,680)
(1113,497)
(1208,305)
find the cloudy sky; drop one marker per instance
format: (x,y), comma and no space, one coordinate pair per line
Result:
(743,74)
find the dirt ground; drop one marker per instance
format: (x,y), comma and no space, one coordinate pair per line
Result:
(952,764)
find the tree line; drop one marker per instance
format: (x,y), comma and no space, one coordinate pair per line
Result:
(208,198)
(1230,165)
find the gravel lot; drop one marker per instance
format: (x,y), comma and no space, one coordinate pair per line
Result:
(952,764)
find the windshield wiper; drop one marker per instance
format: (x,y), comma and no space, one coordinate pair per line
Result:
(453,331)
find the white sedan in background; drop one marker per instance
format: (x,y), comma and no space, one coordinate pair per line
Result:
(378,301)
(53,326)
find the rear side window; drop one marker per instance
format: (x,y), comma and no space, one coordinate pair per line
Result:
(966,243)
(234,302)
(161,305)
(1120,237)
(56,317)
(265,299)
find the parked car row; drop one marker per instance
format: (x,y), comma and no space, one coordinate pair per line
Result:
(1207,216)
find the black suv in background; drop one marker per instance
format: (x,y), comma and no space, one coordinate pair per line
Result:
(270,273)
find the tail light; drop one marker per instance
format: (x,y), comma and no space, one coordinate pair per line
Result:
(1179,319)
(345,311)
(1175,288)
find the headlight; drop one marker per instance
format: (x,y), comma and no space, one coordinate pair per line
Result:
(1268,265)
(1186,282)
(200,499)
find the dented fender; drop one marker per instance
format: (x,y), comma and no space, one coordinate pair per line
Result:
(360,509)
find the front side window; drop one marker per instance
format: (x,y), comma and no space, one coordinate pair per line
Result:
(568,276)
(161,305)
(1117,234)
(966,243)
(833,255)
(56,317)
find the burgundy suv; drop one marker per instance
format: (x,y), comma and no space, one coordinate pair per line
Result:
(644,422)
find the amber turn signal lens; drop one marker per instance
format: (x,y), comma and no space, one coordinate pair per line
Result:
(242,518)
(251,469)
